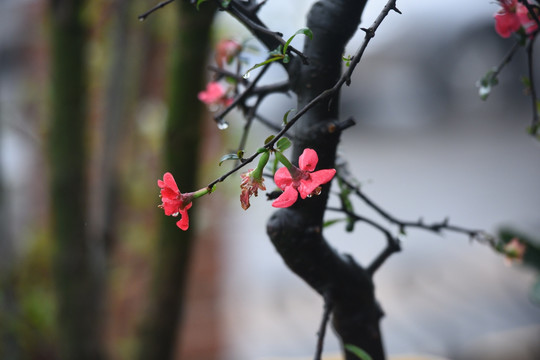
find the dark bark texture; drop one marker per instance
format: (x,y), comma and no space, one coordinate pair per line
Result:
(181,151)
(296,232)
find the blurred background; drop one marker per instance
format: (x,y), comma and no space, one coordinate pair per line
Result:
(425,146)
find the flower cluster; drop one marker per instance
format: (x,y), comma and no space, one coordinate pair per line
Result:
(512,17)
(226,51)
(215,95)
(304,180)
(173,201)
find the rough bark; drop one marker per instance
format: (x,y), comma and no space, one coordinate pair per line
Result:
(296,232)
(78,264)
(183,133)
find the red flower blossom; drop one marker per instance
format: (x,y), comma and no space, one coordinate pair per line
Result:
(215,95)
(173,201)
(226,50)
(250,185)
(512,17)
(303,180)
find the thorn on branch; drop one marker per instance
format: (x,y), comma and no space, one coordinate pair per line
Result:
(370,32)
(396,10)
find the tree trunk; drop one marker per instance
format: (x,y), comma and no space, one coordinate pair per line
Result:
(78,263)
(181,152)
(296,232)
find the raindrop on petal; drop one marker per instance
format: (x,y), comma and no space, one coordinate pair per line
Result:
(246,75)
(175,214)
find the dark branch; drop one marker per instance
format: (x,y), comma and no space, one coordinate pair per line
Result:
(143,17)
(437,227)
(322,328)
(534,99)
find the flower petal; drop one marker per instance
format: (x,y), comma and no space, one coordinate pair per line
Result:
(183,223)
(283,178)
(308,160)
(289,197)
(168,179)
(315,180)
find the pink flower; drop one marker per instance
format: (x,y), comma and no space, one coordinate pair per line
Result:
(303,180)
(512,17)
(514,250)
(250,185)
(226,50)
(173,201)
(215,95)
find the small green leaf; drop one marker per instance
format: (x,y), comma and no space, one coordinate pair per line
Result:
(358,352)
(262,150)
(286,59)
(305,31)
(277,51)
(267,61)
(332,222)
(268,139)
(225,3)
(228,157)
(287,115)
(283,144)
(240,154)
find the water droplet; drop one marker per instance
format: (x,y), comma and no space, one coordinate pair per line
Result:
(141,18)
(246,75)
(222,125)
(176,214)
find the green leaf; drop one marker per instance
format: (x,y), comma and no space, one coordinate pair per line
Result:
(267,61)
(332,222)
(268,139)
(228,157)
(240,154)
(358,352)
(305,31)
(277,51)
(283,144)
(287,115)
(225,3)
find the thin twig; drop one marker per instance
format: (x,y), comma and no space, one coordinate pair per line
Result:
(534,99)
(143,17)
(436,227)
(392,242)
(219,117)
(322,328)
(249,120)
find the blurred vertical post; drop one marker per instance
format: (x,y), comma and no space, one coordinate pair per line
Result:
(183,133)
(78,263)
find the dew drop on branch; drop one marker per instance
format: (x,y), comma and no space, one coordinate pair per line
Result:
(222,125)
